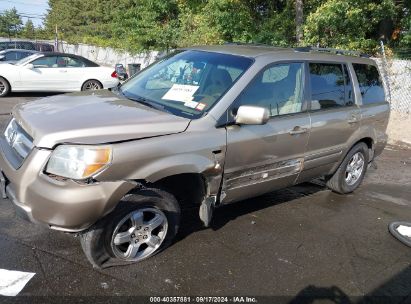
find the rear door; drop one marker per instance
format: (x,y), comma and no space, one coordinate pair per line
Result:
(335,117)
(262,158)
(374,106)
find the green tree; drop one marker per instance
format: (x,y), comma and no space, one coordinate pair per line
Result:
(352,24)
(147,24)
(138,25)
(10,22)
(28,30)
(81,21)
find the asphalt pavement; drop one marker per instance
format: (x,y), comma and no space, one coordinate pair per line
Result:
(300,241)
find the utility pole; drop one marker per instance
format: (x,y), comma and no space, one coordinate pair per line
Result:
(299,19)
(56,40)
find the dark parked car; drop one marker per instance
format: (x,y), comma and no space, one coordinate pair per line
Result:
(26,45)
(14,55)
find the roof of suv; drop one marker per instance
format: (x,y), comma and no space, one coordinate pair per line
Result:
(252,50)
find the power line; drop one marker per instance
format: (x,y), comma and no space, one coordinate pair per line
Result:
(26,16)
(24,3)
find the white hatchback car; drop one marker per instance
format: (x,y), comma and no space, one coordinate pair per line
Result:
(55,72)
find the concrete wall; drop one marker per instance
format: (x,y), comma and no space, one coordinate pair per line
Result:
(109,56)
(101,55)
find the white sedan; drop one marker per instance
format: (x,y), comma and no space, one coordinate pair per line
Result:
(55,72)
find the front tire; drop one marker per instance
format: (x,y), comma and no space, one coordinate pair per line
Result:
(350,173)
(143,224)
(4,87)
(92,85)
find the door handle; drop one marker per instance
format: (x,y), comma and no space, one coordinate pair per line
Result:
(63,71)
(354,118)
(298,130)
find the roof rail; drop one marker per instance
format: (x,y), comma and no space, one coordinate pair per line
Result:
(331,51)
(247,43)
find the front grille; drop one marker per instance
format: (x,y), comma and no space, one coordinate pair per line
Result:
(16,144)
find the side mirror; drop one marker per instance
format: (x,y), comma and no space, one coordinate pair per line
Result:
(2,57)
(252,115)
(29,66)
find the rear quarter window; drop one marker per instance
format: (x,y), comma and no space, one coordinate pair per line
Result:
(370,83)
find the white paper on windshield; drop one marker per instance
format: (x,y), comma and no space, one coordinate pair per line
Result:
(12,282)
(180,92)
(404,230)
(191,104)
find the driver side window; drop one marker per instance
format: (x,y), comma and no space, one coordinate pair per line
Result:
(45,62)
(278,88)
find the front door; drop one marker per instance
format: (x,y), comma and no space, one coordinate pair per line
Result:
(44,76)
(262,158)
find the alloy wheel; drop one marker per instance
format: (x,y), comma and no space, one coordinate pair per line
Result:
(91,86)
(354,168)
(139,234)
(2,87)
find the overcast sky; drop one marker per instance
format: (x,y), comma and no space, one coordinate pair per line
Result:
(34,8)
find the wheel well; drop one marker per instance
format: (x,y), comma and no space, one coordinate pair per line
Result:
(8,82)
(93,80)
(370,144)
(189,188)
(368,141)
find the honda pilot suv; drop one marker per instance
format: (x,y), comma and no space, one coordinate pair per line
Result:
(203,127)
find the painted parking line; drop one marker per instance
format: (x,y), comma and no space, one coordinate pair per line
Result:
(12,282)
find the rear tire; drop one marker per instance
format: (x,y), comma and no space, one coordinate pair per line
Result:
(143,224)
(4,87)
(350,173)
(92,85)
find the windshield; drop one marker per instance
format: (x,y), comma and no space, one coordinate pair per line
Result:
(27,59)
(187,83)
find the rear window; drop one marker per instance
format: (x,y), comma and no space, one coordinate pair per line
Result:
(371,86)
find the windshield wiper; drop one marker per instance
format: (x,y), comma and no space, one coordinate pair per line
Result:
(147,103)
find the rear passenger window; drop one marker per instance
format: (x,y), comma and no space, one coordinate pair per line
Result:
(369,80)
(328,86)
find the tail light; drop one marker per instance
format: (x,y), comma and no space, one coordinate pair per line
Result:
(114,74)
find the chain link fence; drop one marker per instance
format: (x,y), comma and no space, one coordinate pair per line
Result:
(397,78)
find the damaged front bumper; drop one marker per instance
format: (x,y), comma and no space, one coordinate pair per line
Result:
(62,205)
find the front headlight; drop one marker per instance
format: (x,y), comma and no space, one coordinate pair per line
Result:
(79,162)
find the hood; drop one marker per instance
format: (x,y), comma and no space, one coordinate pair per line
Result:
(6,64)
(93,118)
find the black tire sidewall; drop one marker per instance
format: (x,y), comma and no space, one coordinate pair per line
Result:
(362,148)
(100,234)
(6,85)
